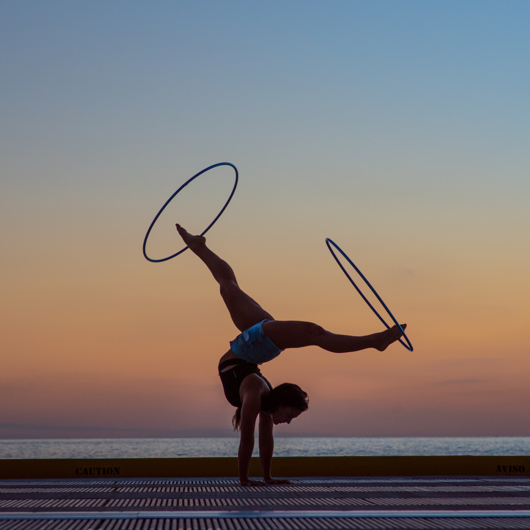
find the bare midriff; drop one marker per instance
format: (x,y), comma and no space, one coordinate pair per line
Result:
(228,355)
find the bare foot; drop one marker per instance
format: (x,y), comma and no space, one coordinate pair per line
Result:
(389,336)
(193,242)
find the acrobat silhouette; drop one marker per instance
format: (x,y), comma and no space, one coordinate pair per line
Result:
(262,339)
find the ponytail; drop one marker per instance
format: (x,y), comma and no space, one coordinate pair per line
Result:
(236,420)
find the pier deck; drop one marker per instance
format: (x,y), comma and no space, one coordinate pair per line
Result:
(308,503)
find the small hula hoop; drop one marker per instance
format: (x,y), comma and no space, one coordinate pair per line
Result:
(329,243)
(175,194)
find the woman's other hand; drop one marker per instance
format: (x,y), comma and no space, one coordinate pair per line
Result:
(277,481)
(252,483)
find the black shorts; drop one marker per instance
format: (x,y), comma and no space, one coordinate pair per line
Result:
(233,378)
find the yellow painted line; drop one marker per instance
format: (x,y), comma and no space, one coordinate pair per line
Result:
(325,466)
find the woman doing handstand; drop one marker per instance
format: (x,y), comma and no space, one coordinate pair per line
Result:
(262,339)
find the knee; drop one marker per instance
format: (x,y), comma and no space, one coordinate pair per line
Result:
(227,289)
(314,330)
(313,333)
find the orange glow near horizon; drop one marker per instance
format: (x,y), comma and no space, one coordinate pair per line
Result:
(135,349)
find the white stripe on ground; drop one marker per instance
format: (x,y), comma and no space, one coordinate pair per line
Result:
(270,514)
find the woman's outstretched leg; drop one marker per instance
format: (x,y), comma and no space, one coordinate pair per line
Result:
(245,311)
(295,334)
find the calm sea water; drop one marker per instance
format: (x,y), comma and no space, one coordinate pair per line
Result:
(224,447)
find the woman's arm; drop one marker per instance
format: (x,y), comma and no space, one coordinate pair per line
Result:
(249,413)
(266,448)
(266,444)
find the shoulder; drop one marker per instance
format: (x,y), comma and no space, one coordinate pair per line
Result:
(253,389)
(255,383)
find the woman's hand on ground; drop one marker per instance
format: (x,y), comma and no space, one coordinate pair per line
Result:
(252,483)
(277,481)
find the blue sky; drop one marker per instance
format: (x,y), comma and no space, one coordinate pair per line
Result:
(296,80)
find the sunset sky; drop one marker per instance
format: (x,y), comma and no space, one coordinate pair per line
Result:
(399,129)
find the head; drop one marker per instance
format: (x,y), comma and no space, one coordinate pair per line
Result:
(285,414)
(284,403)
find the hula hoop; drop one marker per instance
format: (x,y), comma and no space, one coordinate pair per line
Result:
(175,194)
(329,243)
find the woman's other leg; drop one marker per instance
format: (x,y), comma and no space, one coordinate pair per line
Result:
(245,311)
(296,334)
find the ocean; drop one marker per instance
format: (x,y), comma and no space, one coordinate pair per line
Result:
(227,447)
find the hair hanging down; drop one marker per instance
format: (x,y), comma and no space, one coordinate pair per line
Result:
(236,420)
(286,394)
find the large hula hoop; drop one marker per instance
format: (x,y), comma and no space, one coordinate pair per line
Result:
(175,194)
(329,243)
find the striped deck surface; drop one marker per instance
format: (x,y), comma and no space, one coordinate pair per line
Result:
(307,503)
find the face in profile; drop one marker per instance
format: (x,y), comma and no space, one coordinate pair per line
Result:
(284,414)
